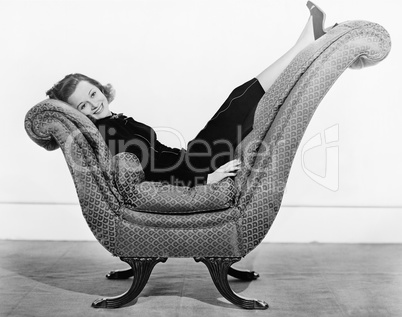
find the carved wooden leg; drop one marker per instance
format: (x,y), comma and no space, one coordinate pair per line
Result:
(120,274)
(218,268)
(244,275)
(142,268)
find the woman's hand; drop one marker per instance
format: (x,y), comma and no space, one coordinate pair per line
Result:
(228,169)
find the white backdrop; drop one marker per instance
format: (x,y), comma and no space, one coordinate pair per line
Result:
(173,63)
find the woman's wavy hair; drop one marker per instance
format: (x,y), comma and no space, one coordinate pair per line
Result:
(66,87)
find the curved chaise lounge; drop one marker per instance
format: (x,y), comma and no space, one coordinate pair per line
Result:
(145,223)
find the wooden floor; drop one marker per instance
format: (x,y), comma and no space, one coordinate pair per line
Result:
(63,278)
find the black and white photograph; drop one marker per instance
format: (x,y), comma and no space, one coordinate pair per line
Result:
(201,158)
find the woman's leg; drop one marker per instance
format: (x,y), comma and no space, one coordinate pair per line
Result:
(215,144)
(272,72)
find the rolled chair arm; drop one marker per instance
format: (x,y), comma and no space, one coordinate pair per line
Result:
(40,122)
(52,124)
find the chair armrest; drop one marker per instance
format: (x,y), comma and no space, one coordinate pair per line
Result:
(52,124)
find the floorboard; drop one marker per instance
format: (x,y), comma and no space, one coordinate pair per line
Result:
(44,278)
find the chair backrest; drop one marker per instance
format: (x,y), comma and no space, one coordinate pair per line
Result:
(285,111)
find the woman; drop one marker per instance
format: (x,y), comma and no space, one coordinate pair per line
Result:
(209,157)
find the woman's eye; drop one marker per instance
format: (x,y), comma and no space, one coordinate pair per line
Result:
(93,94)
(82,107)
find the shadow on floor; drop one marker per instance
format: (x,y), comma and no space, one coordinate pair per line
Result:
(82,270)
(39,278)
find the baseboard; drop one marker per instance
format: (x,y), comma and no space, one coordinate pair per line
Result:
(292,225)
(337,225)
(43,222)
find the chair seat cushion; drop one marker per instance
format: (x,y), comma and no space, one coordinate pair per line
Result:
(155,197)
(193,221)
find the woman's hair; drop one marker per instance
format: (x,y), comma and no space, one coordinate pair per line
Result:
(66,87)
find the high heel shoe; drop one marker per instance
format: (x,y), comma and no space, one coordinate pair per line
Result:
(318,17)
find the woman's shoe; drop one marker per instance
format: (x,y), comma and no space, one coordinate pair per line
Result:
(318,19)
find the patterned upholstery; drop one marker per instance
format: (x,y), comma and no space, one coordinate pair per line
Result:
(156,197)
(127,170)
(267,153)
(285,111)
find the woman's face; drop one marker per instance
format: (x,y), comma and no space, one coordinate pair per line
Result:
(89,100)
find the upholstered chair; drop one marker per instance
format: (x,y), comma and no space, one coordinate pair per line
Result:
(145,223)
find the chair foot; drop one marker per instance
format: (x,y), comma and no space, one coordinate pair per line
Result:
(244,275)
(120,274)
(218,268)
(141,268)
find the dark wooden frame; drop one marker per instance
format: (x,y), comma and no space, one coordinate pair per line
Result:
(219,268)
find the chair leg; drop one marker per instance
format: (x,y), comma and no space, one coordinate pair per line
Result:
(120,274)
(244,275)
(218,268)
(141,268)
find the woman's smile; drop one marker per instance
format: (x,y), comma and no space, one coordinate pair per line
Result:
(99,109)
(90,100)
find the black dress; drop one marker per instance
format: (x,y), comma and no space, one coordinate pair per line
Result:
(212,147)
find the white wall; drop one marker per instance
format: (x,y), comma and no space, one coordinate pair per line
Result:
(170,60)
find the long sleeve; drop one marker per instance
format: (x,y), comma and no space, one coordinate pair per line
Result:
(159,162)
